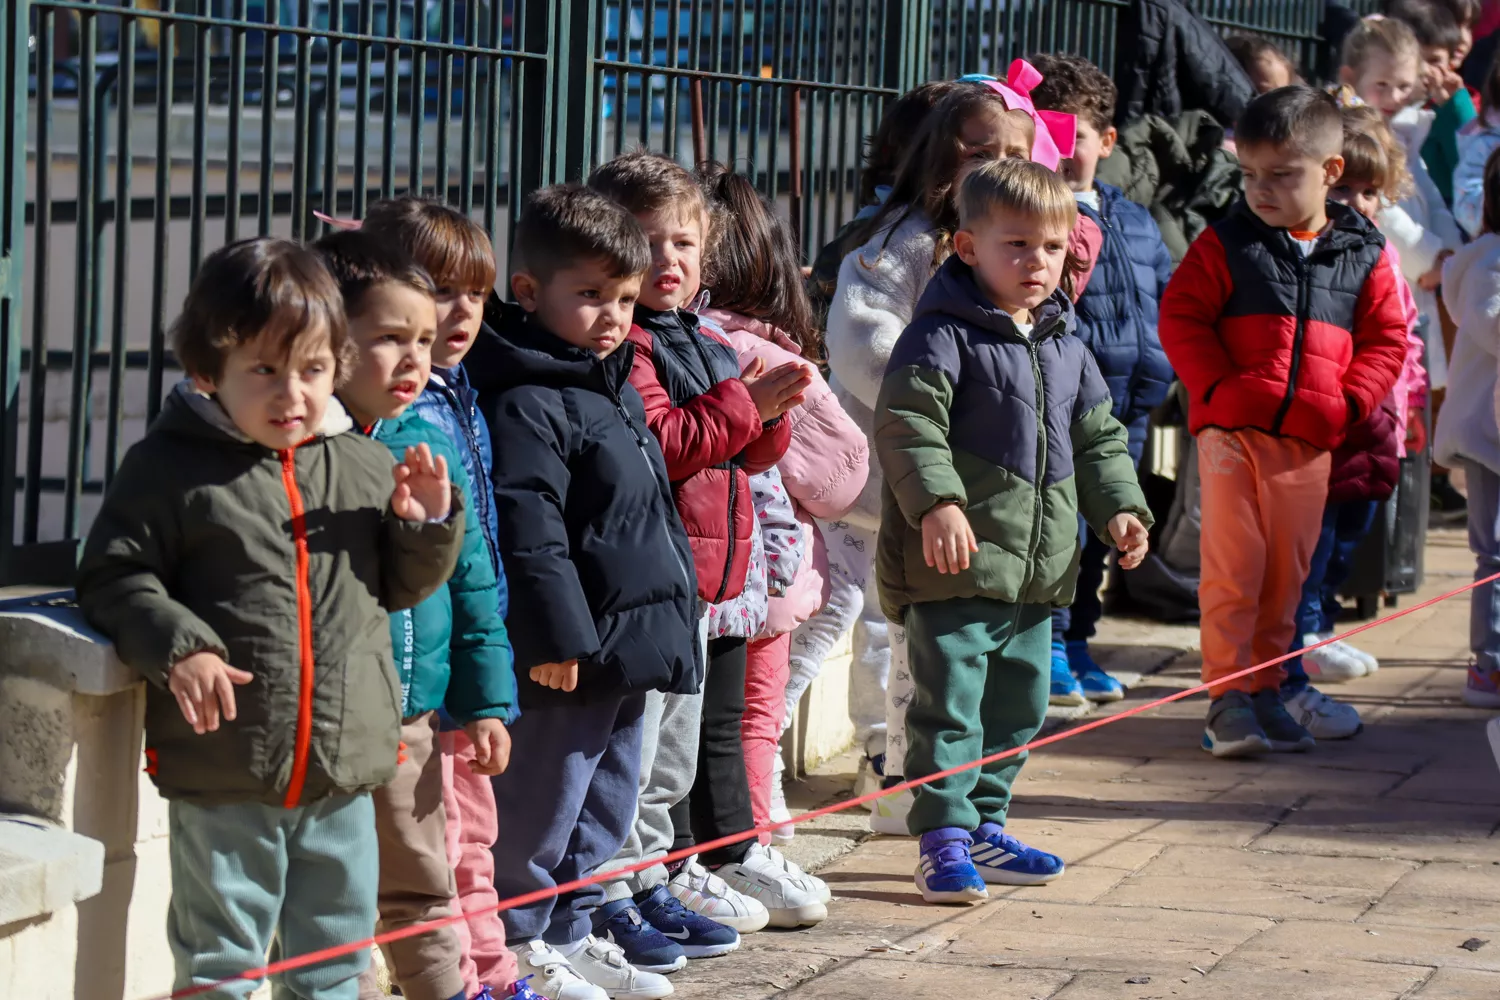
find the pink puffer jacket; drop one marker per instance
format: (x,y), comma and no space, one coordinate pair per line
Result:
(1410,389)
(824,467)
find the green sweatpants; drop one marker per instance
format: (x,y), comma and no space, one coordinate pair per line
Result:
(981,670)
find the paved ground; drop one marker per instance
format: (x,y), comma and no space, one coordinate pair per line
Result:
(1366,869)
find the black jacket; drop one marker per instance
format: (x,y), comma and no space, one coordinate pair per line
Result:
(1177,63)
(599,566)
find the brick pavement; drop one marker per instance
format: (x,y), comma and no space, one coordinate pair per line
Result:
(1356,871)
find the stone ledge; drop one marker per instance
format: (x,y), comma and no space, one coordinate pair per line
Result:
(44,869)
(46,638)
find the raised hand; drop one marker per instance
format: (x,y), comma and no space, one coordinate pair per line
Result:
(1131,538)
(422,489)
(204,687)
(557,676)
(947,538)
(777,390)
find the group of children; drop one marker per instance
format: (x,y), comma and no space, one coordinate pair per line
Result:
(447,598)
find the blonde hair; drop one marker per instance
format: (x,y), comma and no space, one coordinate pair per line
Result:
(1372,153)
(1379,34)
(1025,188)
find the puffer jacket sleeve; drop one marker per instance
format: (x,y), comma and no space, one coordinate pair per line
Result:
(482,679)
(765,451)
(1107,483)
(1162,261)
(1474,149)
(710,429)
(1190,311)
(879,285)
(417,557)
(912,420)
(781,532)
(550,620)
(130,553)
(1379,339)
(1176,62)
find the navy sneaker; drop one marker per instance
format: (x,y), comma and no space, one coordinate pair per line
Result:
(1065,687)
(1096,684)
(697,936)
(645,947)
(1001,859)
(1232,728)
(945,872)
(1284,733)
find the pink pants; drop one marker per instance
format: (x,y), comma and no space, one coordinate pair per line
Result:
(472,829)
(767,667)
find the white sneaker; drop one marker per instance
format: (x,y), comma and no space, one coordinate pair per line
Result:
(793,897)
(784,832)
(708,895)
(867,782)
(552,975)
(1330,664)
(1320,715)
(603,964)
(1370,663)
(888,815)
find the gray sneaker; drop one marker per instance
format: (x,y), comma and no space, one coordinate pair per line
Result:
(1285,734)
(1231,729)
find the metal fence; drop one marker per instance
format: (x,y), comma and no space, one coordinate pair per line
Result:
(142,134)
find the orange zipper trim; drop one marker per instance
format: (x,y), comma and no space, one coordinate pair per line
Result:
(304,631)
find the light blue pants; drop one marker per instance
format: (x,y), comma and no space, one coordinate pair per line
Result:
(1484,541)
(246,875)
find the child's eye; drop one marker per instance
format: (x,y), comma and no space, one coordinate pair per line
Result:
(316,369)
(590,293)
(1020,244)
(1054,248)
(263,370)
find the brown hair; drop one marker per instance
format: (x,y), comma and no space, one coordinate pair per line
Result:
(567,224)
(1372,154)
(894,135)
(645,182)
(1489,94)
(1492,193)
(1435,25)
(1379,34)
(1296,117)
(1074,85)
(1020,187)
(360,260)
(449,245)
(754,267)
(259,287)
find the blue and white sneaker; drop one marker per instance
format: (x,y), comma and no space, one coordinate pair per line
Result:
(697,936)
(1097,685)
(1065,687)
(645,947)
(1001,859)
(945,872)
(519,990)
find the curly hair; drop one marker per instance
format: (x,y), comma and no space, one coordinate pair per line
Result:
(1075,86)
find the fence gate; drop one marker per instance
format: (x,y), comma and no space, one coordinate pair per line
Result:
(143,134)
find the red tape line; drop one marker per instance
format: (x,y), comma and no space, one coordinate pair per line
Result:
(327,954)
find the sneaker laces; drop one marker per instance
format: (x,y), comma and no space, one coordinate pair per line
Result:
(950,852)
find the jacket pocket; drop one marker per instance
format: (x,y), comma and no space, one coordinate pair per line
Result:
(370,724)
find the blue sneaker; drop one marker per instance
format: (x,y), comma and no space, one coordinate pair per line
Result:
(1065,687)
(645,947)
(519,990)
(1096,684)
(1001,859)
(697,936)
(945,872)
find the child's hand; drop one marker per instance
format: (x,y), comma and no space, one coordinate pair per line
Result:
(947,538)
(204,686)
(422,489)
(1433,279)
(1416,431)
(1131,538)
(557,676)
(491,746)
(778,390)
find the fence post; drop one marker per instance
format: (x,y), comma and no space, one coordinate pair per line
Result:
(908,43)
(15,33)
(573,59)
(534,139)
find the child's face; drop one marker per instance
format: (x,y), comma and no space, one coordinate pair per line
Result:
(990,136)
(1268,72)
(1363,198)
(583,304)
(1089,148)
(277,402)
(1387,82)
(394,331)
(676,236)
(460,311)
(1017,260)
(1465,46)
(1287,188)
(1436,65)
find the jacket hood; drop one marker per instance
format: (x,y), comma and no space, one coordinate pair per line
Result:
(953,292)
(188,411)
(1348,229)
(1480,256)
(733,322)
(513,349)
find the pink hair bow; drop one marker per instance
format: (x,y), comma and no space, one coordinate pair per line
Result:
(337,223)
(1056,131)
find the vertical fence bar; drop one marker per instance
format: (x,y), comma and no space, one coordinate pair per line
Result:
(15,33)
(200,149)
(236,113)
(470,96)
(445,100)
(389,95)
(302,119)
(365,27)
(332,98)
(270,87)
(416,170)
(125,91)
(83,274)
(492,118)
(162,208)
(42,248)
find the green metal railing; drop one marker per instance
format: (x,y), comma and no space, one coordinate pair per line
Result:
(142,134)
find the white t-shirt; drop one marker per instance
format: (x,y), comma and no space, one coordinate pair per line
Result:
(1024,329)
(1089,198)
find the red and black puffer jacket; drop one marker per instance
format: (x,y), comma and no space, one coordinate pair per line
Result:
(712,436)
(1267,338)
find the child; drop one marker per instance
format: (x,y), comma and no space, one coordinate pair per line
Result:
(1116,318)
(978,539)
(1263,60)
(759,303)
(1366,467)
(452,647)
(457,253)
(1466,430)
(1476,141)
(1276,372)
(717,427)
(1439,36)
(603,609)
(243,562)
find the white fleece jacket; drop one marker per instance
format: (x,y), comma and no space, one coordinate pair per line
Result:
(1468,426)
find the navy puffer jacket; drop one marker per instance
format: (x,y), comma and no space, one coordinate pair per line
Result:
(1117,311)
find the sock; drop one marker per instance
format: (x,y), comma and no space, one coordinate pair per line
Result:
(569,950)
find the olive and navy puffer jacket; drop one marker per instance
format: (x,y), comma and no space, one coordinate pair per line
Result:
(1267,338)
(1117,311)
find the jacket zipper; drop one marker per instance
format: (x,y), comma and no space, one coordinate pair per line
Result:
(1303,281)
(1041,466)
(304,631)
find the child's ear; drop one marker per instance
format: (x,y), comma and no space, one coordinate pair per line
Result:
(1347,75)
(1333,169)
(1107,140)
(204,384)
(526,288)
(963,245)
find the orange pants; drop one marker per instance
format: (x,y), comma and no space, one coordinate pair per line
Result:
(1262,501)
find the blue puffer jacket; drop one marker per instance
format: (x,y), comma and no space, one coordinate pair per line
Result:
(1117,312)
(451,404)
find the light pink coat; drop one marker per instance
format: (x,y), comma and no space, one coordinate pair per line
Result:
(1410,390)
(824,467)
